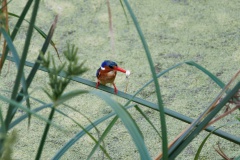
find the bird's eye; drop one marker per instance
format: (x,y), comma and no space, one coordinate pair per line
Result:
(111,66)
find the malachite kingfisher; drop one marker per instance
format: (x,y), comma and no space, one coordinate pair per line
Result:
(107,73)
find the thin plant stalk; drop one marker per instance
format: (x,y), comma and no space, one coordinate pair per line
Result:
(17,26)
(5,14)
(45,133)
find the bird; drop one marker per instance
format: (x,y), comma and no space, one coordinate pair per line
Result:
(107,73)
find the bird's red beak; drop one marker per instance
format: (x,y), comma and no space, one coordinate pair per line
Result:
(116,68)
(120,69)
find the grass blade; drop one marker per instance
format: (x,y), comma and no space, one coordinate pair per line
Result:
(91,123)
(147,119)
(35,66)
(45,133)
(3,128)
(16,28)
(214,78)
(202,125)
(69,95)
(206,138)
(24,116)
(44,35)
(105,133)
(12,110)
(157,88)
(82,133)
(124,11)
(202,116)
(129,123)
(85,132)
(16,58)
(88,119)
(19,77)
(59,101)
(4,11)
(27,110)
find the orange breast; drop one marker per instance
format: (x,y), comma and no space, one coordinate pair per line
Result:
(107,76)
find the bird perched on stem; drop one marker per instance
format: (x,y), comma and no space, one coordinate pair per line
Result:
(107,73)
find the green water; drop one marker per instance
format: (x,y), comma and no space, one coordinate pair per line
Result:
(176,30)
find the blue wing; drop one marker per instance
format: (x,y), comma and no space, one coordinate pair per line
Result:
(98,72)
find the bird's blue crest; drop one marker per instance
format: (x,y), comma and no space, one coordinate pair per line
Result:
(108,63)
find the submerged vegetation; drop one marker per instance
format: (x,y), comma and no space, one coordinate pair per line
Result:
(46,118)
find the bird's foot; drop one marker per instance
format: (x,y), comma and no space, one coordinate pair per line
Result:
(115,88)
(97,84)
